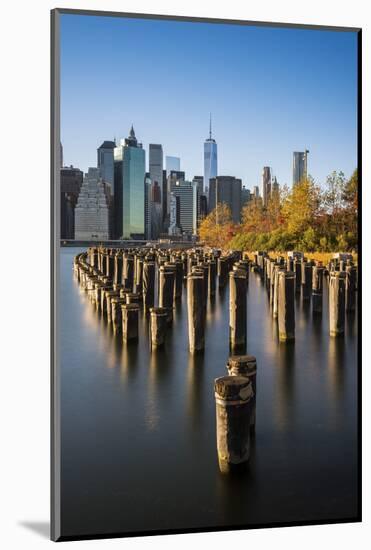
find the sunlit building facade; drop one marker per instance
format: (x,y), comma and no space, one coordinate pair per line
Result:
(129,185)
(299,166)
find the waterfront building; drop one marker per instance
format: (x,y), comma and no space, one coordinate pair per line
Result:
(70,180)
(210,160)
(266,184)
(129,184)
(172,164)
(92,209)
(105,163)
(185,191)
(299,166)
(227,190)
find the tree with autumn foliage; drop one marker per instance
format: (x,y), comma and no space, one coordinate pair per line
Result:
(306,217)
(217,229)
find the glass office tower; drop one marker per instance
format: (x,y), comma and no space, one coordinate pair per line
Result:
(129,188)
(210,160)
(172,164)
(299,166)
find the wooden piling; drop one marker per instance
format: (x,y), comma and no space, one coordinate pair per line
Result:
(237,308)
(286,305)
(130,317)
(233,397)
(245,365)
(337,303)
(158,326)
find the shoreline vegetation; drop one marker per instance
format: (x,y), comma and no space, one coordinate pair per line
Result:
(310,218)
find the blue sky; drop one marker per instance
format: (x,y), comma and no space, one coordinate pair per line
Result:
(270,90)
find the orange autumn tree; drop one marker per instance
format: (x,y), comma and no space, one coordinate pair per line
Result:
(217,228)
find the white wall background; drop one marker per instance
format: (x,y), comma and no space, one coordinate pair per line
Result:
(24,272)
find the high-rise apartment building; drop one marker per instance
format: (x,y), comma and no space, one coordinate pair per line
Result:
(92,209)
(226,190)
(71,181)
(266,184)
(299,166)
(129,186)
(210,160)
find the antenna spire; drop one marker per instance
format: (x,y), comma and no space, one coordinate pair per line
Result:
(210,128)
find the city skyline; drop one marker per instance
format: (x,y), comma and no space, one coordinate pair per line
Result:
(309,102)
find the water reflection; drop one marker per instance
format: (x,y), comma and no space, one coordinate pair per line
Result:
(195,387)
(285,386)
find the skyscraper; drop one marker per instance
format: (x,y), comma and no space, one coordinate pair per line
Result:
(92,209)
(173,177)
(172,163)
(129,186)
(226,190)
(105,163)
(184,190)
(156,167)
(156,161)
(210,160)
(266,184)
(71,181)
(299,166)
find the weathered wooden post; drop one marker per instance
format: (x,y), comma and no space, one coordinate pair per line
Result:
(306,280)
(337,302)
(317,288)
(233,397)
(116,304)
(110,264)
(133,298)
(158,326)
(103,303)
(350,287)
(223,270)
(178,287)
(128,271)
(166,290)
(196,315)
(237,308)
(245,365)
(138,274)
(278,268)
(109,295)
(148,284)
(130,316)
(286,305)
(297,271)
(211,276)
(117,277)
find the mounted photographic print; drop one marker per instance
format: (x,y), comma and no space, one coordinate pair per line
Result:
(205,274)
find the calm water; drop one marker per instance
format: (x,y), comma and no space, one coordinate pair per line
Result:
(138,428)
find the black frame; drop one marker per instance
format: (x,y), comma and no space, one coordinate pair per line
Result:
(55,526)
